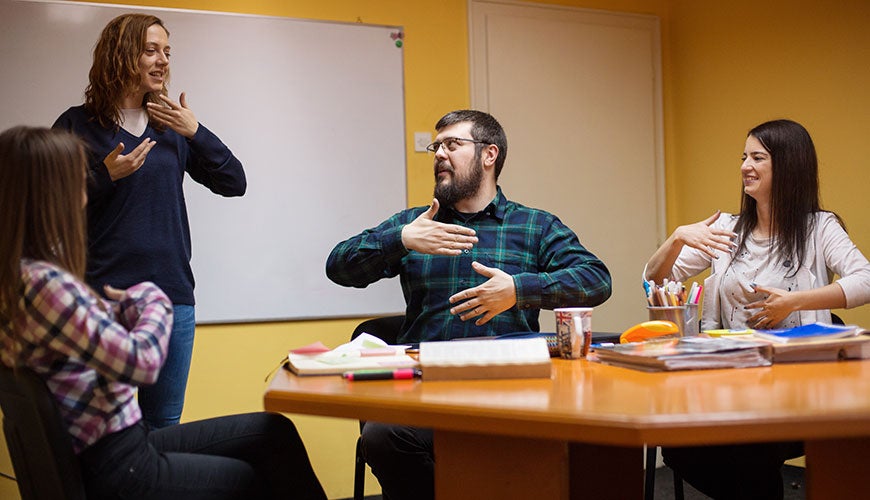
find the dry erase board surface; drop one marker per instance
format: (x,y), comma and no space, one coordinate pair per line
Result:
(314,110)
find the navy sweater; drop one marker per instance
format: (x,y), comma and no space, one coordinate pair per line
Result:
(137,225)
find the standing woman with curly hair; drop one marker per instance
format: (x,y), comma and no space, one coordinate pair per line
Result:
(141,144)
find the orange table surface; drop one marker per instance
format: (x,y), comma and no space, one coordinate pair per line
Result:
(602,404)
(593,415)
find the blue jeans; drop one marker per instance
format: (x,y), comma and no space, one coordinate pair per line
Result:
(256,455)
(162,402)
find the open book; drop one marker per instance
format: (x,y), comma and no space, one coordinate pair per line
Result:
(366,352)
(485,359)
(687,353)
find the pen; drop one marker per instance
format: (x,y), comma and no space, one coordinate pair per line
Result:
(399,374)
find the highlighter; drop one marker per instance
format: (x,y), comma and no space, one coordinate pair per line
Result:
(398,374)
(648,330)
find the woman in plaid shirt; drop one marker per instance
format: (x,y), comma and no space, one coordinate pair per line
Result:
(93,353)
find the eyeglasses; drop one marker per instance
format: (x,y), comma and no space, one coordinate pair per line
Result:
(450,144)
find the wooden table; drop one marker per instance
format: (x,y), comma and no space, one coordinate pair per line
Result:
(579,433)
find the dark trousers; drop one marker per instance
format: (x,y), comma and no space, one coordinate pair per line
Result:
(731,472)
(402,459)
(256,455)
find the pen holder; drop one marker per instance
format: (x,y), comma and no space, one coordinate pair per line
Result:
(685,317)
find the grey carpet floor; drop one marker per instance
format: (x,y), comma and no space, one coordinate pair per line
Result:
(793,485)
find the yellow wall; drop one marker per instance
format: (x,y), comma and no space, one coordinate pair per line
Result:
(727,66)
(736,64)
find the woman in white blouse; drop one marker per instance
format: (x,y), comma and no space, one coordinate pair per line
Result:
(771,267)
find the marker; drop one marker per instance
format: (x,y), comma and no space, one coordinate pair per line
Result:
(601,344)
(399,374)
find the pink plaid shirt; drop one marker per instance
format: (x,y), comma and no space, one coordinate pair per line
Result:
(91,353)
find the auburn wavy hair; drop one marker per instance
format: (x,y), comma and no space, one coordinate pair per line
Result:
(115,70)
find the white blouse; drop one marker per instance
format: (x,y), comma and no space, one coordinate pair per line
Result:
(829,251)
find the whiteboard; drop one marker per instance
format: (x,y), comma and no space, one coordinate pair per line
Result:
(314,110)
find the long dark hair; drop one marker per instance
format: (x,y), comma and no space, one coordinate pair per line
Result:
(794,195)
(42,186)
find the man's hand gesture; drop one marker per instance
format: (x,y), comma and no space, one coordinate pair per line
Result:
(496,295)
(425,235)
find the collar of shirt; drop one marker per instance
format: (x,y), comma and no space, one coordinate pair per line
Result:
(496,209)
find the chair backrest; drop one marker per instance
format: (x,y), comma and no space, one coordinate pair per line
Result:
(386,328)
(40,446)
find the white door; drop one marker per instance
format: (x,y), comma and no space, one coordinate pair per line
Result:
(579,94)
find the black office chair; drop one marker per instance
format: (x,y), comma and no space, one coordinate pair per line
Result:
(386,329)
(649,482)
(45,465)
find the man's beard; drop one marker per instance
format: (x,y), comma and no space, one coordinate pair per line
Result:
(459,187)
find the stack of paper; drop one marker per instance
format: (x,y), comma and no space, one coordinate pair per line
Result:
(688,353)
(485,359)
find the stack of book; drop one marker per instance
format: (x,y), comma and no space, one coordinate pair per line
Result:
(687,353)
(740,349)
(817,342)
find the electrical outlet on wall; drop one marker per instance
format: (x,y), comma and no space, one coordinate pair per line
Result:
(421,140)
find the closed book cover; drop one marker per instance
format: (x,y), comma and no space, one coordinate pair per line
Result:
(485,359)
(854,347)
(687,353)
(803,333)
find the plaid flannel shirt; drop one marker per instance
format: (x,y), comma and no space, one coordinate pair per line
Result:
(549,266)
(91,353)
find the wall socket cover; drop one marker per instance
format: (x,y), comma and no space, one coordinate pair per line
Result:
(421,140)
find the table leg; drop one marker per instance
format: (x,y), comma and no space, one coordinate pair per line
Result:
(606,472)
(484,466)
(837,468)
